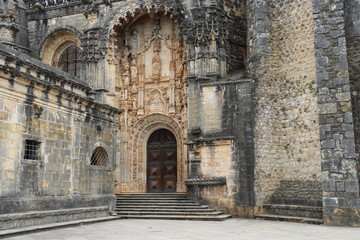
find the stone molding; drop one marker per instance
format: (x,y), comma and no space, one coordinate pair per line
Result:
(49,46)
(18,64)
(211,181)
(137,154)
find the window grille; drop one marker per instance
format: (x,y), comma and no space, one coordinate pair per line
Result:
(99,157)
(68,61)
(32,150)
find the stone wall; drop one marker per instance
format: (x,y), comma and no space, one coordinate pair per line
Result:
(13,25)
(282,61)
(42,104)
(221,147)
(236,10)
(336,58)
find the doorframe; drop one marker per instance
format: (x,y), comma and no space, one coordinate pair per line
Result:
(138,162)
(147,143)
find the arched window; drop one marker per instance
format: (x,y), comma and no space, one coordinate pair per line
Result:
(99,157)
(68,61)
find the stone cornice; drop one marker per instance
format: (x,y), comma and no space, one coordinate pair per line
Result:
(19,59)
(206,181)
(19,64)
(41,13)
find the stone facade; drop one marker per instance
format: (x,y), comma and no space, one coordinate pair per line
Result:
(339,165)
(287,143)
(222,147)
(44,105)
(261,97)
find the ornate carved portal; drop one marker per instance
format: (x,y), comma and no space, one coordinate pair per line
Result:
(150,68)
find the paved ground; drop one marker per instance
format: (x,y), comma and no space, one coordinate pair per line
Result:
(233,229)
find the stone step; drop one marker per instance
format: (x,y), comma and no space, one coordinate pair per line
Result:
(129,206)
(179,217)
(288,218)
(164,206)
(143,213)
(25,230)
(155,200)
(152,199)
(152,195)
(294,210)
(157,204)
(166,209)
(33,218)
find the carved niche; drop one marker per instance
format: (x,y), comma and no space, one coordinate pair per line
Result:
(151,79)
(152,67)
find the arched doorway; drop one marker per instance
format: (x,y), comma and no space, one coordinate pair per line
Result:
(161,162)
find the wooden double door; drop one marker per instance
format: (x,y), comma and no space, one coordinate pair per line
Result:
(161,162)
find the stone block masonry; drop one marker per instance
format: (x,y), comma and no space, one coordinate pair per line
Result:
(222,157)
(284,130)
(282,61)
(64,127)
(339,164)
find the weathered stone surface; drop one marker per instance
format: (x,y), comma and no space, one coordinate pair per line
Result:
(287,138)
(288,134)
(46,177)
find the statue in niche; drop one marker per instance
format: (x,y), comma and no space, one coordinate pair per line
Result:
(134,105)
(129,118)
(134,88)
(126,68)
(156,62)
(178,99)
(134,70)
(134,41)
(155,101)
(156,67)
(126,73)
(155,33)
(179,62)
(141,73)
(164,92)
(157,45)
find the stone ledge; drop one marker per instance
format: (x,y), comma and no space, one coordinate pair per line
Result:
(32,214)
(228,82)
(50,77)
(35,218)
(26,230)
(206,181)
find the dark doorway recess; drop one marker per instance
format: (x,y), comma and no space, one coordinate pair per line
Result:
(161,162)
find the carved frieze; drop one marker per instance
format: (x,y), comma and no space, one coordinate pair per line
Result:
(152,66)
(152,80)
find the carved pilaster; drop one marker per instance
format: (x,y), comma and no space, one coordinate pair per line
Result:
(93,59)
(8,28)
(92,51)
(207,41)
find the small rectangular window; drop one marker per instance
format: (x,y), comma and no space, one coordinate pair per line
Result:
(32,150)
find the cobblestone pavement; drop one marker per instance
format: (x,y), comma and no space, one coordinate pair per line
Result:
(196,230)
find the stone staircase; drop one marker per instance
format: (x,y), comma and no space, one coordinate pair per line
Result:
(164,206)
(292,213)
(291,202)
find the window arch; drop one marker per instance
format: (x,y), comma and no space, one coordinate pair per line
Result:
(56,44)
(69,60)
(99,157)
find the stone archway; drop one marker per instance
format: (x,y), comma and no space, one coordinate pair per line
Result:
(161,160)
(137,149)
(56,43)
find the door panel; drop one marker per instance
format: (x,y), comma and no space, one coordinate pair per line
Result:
(161,162)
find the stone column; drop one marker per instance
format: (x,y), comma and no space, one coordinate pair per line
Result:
(8,28)
(339,165)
